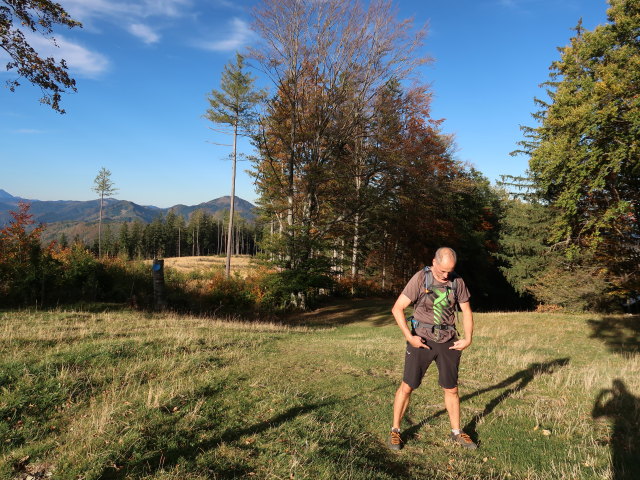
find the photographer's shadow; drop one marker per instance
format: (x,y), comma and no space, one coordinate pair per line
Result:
(623,408)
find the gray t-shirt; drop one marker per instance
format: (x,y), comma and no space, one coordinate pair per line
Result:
(437,307)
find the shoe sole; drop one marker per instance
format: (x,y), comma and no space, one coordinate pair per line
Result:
(393,446)
(465,445)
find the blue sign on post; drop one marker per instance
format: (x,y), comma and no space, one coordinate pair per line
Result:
(158,284)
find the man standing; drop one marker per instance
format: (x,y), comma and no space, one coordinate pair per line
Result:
(433,337)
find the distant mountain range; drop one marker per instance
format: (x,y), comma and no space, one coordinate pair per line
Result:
(70,212)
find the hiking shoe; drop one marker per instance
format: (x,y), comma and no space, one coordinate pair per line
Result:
(394,442)
(464,440)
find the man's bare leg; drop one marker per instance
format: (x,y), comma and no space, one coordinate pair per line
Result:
(452,404)
(400,404)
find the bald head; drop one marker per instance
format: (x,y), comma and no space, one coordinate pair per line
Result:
(444,263)
(446,255)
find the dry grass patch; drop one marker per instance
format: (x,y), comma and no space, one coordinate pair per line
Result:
(240,264)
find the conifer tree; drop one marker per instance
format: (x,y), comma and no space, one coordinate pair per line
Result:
(234,106)
(585,153)
(124,241)
(103,186)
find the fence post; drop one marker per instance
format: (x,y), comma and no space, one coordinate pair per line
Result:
(157,270)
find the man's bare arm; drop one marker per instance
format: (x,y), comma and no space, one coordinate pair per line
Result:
(398,313)
(467,322)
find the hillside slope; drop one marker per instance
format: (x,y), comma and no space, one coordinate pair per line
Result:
(115,210)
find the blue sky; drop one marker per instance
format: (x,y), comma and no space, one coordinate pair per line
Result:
(144,68)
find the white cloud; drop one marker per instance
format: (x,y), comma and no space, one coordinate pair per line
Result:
(79,59)
(130,13)
(27,131)
(144,32)
(85,10)
(169,8)
(116,10)
(518,4)
(238,35)
(230,4)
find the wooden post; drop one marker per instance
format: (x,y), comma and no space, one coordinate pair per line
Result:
(157,270)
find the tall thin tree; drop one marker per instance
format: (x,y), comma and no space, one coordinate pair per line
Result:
(235,107)
(103,186)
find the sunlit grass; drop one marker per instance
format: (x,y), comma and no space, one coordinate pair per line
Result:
(240,264)
(116,394)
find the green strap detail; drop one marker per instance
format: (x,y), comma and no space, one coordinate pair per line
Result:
(439,304)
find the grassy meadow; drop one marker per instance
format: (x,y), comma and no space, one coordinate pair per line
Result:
(109,393)
(240,264)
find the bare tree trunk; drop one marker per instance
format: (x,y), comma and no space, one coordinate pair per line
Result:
(384,259)
(290,233)
(356,242)
(238,239)
(100,226)
(341,257)
(271,231)
(356,221)
(232,201)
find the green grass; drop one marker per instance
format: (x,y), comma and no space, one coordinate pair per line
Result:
(117,394)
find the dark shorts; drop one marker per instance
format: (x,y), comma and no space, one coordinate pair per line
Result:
(417,361)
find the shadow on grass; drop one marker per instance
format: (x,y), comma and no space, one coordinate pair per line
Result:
(187,449)
(620,333)
(623,408)
(337,312)
(516,382)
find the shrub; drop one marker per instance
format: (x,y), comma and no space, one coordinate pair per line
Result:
(574,289)
(360,287)
(20,259)
(81,273)
(293,289)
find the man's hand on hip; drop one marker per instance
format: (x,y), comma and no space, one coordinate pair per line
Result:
(418,342)
(460,344)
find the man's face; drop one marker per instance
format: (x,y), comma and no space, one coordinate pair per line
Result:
(442,270)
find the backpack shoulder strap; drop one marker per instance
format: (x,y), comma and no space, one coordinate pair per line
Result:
(454,286)
(428,279)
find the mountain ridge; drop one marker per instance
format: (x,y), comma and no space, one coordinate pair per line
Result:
(115,210)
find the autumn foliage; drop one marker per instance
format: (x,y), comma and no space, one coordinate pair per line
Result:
(357,181)
(21,256)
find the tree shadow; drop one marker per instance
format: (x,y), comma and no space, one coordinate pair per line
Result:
(519,381)
(623,408)
(187,447)
(620,333)
(338,312)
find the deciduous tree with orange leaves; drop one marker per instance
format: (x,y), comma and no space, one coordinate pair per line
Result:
(20,256)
